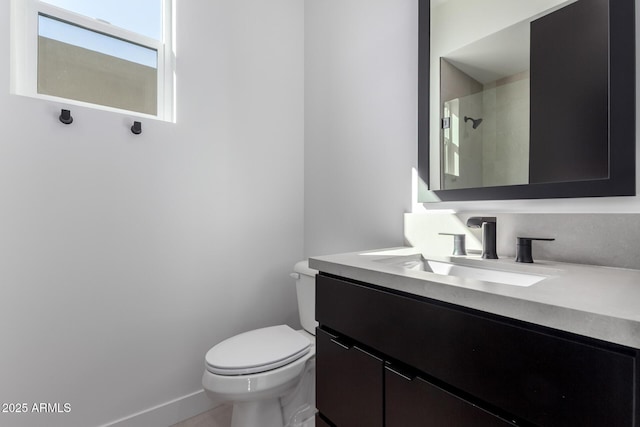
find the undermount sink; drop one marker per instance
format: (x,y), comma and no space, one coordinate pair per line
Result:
(464,271)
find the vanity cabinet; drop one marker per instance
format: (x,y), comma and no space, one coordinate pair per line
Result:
(386,358)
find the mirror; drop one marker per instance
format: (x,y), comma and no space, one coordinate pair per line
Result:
(524,99)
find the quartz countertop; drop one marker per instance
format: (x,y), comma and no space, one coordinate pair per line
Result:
(593,301)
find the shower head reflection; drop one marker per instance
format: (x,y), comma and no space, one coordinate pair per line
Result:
(474,122)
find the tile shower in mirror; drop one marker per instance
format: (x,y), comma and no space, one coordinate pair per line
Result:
(484,92)
(485,127)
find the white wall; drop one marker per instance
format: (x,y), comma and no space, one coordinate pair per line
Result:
(360,122)
(124,258)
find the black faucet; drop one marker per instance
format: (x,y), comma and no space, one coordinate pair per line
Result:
(489,225)
(523,248)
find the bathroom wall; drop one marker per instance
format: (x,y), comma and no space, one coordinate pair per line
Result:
(360,122)
(123,258)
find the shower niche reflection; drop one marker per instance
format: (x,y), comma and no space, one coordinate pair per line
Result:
(528,104)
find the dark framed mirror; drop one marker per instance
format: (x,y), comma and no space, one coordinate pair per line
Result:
(555,119)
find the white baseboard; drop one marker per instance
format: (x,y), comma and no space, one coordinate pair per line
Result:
(167,414)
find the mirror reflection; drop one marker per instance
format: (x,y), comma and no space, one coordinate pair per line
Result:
(479,136)
(484,98)
(487,129)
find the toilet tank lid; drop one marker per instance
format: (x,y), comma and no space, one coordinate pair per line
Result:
(302,267)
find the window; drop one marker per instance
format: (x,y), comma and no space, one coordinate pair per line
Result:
(115,54)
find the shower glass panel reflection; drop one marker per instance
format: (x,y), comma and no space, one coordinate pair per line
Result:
(485,130)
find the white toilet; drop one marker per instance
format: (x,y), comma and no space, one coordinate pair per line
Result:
(269,373)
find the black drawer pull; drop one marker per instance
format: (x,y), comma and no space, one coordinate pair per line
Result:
(341,343)
(404,373)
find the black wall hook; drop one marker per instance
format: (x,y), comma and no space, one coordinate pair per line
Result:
(136,128)
(65,117)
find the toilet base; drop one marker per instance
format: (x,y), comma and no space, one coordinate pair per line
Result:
(258,413)
(293,409)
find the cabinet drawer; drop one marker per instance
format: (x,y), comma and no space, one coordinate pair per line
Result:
(412,401)
(349,387)
(536,376)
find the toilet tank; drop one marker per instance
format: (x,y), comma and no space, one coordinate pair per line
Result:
(306,290)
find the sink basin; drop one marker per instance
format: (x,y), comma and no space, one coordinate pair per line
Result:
(465,271)
(484,274)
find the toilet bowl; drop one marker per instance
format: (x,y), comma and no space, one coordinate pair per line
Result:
(269,373)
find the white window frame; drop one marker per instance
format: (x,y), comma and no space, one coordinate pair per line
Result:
(24,52)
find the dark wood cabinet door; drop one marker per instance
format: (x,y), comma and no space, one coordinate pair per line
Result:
(349,383)
(412,401)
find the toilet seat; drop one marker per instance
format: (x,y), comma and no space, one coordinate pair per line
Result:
(257,351)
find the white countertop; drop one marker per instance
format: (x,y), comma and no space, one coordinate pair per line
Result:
(594,301)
